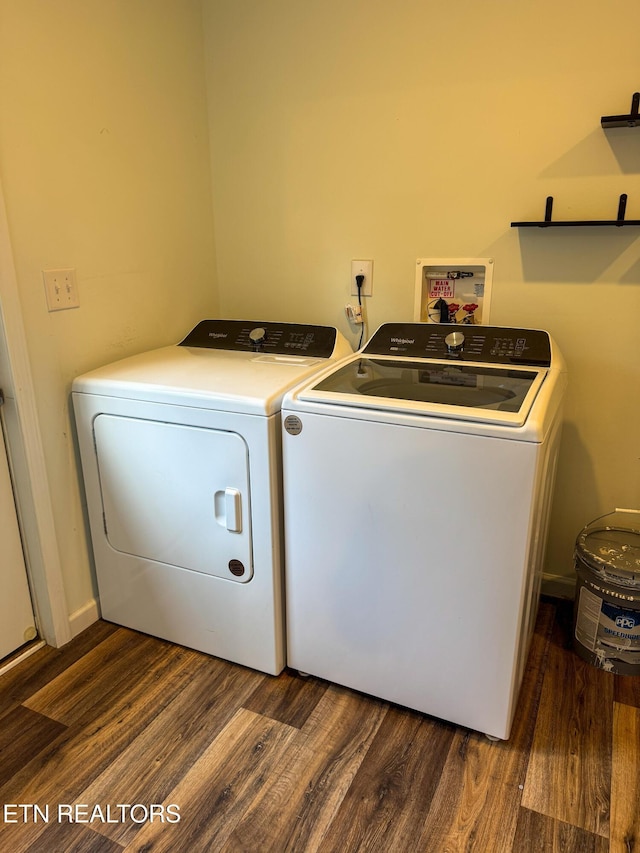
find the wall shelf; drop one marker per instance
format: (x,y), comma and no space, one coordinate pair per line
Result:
(630,120)
(547,222)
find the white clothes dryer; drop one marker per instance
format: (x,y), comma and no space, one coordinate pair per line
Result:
(180,451)
(418,479)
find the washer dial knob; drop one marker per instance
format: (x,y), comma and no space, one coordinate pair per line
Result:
(257,336)
(454,341)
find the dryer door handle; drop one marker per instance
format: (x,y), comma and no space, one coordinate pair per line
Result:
(233,507)
(228,509)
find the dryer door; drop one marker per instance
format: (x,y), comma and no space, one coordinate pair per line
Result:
(176,494)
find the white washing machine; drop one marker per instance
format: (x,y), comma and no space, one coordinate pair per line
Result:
(180,452)
(418,479)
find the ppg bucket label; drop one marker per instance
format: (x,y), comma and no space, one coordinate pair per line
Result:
(607,630)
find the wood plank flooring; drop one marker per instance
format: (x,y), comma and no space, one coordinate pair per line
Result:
(122,742)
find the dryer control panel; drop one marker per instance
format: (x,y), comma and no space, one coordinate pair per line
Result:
(294,339)
(488,344)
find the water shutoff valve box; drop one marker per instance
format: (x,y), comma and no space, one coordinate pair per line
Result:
(453,290)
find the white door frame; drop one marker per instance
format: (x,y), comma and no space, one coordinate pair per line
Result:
(26,457)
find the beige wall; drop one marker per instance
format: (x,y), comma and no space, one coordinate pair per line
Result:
(104,164)
(330,131)
(355,129)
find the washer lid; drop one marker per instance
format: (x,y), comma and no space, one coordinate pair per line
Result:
(247,380)
(476,392)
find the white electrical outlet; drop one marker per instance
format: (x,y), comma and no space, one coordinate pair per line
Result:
(364,268)
(61,289)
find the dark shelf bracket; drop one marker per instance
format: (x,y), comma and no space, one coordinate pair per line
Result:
(548,209)
(631,120)
(622,207)
(548,223)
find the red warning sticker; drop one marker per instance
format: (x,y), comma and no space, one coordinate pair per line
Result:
(441,287)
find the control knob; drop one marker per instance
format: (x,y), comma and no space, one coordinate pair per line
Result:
(454,342)
(257,336)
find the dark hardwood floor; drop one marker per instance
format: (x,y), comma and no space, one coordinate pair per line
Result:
(105,743)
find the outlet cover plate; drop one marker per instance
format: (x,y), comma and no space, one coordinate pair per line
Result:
(61,289)
(364,268)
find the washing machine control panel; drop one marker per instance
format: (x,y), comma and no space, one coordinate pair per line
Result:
(273,338)
(489,344)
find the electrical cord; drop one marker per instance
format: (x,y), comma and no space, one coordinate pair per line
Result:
(359,283)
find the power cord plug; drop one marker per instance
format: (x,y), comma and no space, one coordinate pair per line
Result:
(359,283)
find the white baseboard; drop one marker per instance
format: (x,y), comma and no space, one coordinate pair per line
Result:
(85,616)
(559,586)
(14,661)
